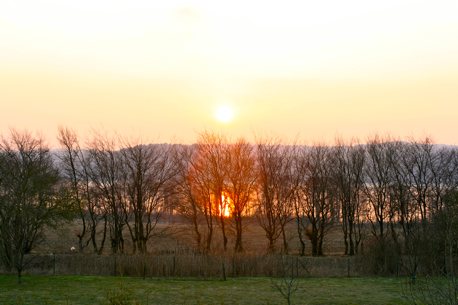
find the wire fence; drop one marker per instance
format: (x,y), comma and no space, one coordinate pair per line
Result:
(191,265)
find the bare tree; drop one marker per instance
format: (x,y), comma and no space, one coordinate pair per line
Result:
(412,166)
(147,172)
(317,193)
(382,193)
(106,173)
(348,176)
(200,188)
(442,228)
(378,180)
(206,178)
(75,171)
(212,149)
(28,201)
(240,183)
(287,282)
(403,208)
(444,173)
(417,160)
(186,194)
(276,190)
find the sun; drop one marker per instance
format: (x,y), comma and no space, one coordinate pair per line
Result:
(224,114)
(226,206)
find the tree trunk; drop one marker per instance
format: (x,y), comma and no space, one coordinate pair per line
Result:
(314,241)
(285,241)
(301,236)
(209,239)
(238,239)
(350,235)
(223,232)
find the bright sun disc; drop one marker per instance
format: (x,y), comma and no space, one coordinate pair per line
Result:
(224,114)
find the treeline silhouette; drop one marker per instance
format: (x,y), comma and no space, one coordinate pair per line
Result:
(395,202)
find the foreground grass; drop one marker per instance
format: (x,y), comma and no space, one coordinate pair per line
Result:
(85,290)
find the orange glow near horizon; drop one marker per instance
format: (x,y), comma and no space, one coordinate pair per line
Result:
(226,205)
(306,70)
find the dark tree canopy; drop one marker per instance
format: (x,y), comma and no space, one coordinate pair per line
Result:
(28,203)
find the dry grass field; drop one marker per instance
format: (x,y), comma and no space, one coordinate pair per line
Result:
(172,235)
(172,253)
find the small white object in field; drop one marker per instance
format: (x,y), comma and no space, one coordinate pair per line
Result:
(72,249)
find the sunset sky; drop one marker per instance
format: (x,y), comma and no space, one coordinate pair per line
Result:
(292,69)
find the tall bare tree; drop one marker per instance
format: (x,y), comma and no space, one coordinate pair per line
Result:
(75,172)
(106,175)
(147,172)
(441,233)
(412,165)
(378,182)
(203,182)
(200,183)
(276,189)
(28,201)
(317,194)
(403,208)
(444,172)
(209,168)
(240,183)
(186,192)
(348,177)
(417,160)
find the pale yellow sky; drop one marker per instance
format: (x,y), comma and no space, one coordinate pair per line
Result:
(308,69)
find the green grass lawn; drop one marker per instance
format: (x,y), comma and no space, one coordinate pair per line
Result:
(79,290)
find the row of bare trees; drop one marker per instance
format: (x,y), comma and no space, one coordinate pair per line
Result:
(276,183)
(411,189)
(116,185)
(216,182)
(390,191)
(393,188)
